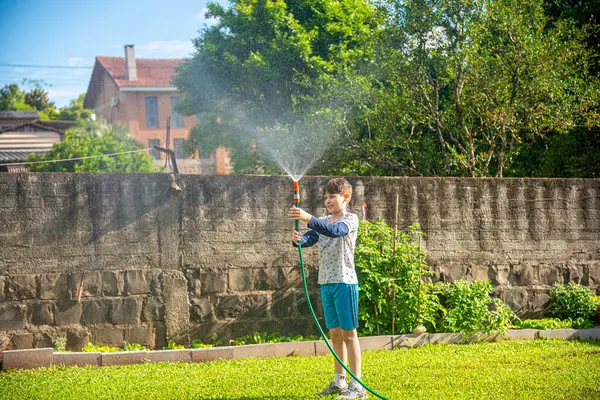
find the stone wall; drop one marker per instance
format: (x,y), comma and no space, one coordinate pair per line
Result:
(159,260)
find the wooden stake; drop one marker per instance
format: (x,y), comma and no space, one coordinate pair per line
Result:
(419,286)
(394,265)
(80,289)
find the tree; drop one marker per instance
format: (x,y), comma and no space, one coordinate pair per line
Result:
(12,98)
(453,87)
(94,139)
(575,153)
(269,63)
(482,76)
(38,99)
(75,111)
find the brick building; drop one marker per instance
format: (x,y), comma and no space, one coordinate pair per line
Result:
(138,93)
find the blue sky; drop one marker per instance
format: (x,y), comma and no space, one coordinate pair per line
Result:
(73,32)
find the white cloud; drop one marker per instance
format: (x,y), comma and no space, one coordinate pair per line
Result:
(201,17)
(164,49)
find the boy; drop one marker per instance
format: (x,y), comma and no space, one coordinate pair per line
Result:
(336,238)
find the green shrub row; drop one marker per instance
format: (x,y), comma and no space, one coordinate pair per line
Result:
(553,323)
(255,338)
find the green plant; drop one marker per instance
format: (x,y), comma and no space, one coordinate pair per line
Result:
(582,323)
(198,344)
(262,337)
(95,348)
(544,323)
(467,307)
(60,343)
(136,347)
(573,301)
(255,338)
(215,340)
(553,323)
(391,282)
(171,345)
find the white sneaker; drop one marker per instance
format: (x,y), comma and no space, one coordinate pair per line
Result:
(353,391)
(332,389)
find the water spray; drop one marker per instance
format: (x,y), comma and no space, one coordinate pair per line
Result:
(312,312)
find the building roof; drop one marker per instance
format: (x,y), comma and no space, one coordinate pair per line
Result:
(151,72)
(19,114)
(37,127)
(19,155)
(58,125)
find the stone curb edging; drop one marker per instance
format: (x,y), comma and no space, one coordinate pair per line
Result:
(35,358)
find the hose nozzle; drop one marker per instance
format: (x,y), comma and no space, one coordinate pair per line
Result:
(296,200)
(296,194)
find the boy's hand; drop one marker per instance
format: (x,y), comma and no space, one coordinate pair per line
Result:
(296,236)
(299,214)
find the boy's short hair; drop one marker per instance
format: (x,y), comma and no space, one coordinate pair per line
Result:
(338,186)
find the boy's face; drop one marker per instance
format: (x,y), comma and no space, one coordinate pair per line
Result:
(335,202)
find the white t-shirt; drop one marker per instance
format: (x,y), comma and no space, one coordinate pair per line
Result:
(336,255)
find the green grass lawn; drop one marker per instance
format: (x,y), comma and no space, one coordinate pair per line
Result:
(540,369)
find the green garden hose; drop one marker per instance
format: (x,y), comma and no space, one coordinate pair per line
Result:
(312,312)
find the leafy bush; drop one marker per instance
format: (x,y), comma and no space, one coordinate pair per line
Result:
(94,348)
(573,301)
(390,280)
(197,344)
(393,286)
(262,337)
(582,323)
(553,323)
(544,323)
(171,345)
(136,347)
(60,344)
(467,307)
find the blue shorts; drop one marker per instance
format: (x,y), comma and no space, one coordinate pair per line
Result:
(340,305)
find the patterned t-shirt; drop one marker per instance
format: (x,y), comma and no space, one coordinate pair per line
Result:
(336,255)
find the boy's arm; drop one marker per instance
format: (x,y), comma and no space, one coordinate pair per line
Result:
(308,239)
(325,228)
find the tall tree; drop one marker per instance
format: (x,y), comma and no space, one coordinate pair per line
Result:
(481,76)
(12,98)
(39,100)
(266,62)
(576,152)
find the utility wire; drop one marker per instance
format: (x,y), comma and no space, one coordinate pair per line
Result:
(46,66)
(74,159)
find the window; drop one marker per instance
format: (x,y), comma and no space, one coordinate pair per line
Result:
(153,152)
(178,144)
(151,112)
(176,117)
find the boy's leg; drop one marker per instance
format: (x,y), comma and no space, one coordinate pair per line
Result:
(346,305)
(347,310)
(339,347)
(353,345)
(337,341)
